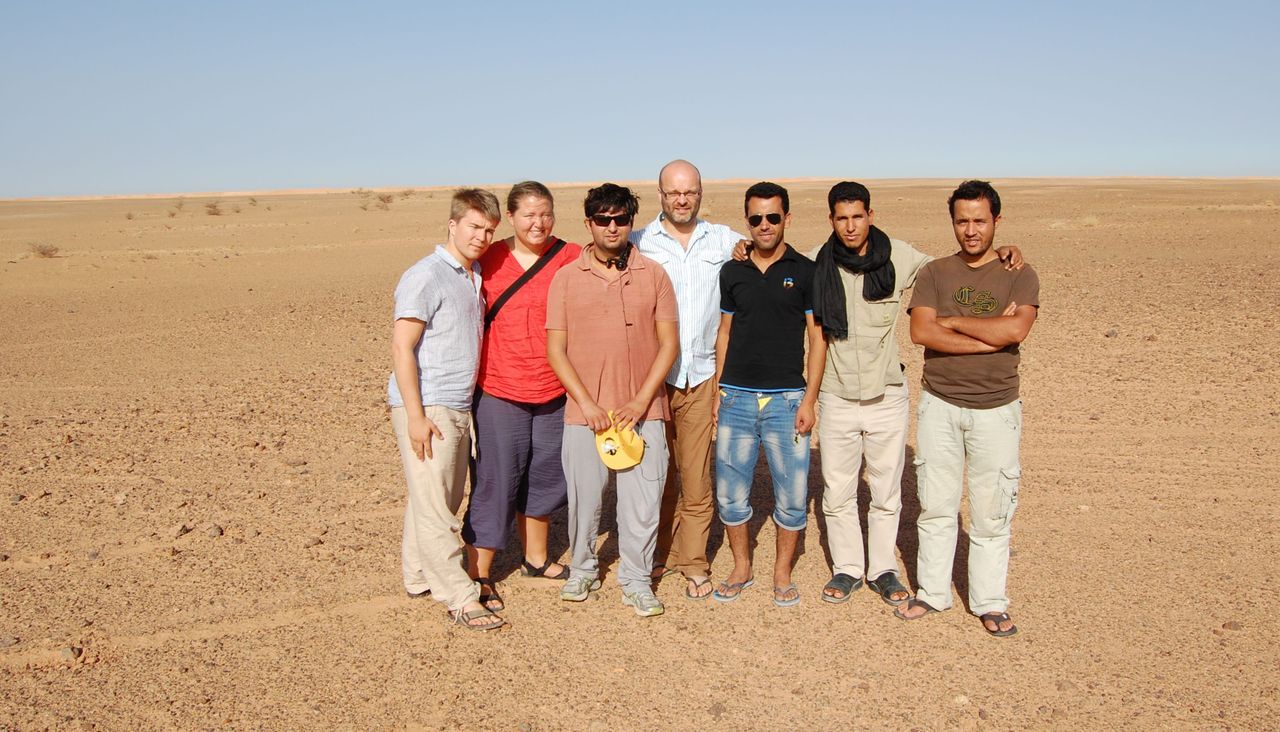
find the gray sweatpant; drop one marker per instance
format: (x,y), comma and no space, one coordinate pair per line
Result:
(639,499)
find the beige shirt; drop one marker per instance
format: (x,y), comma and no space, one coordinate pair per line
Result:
(862,365)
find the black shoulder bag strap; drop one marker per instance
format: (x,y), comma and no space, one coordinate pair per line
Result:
(529,274)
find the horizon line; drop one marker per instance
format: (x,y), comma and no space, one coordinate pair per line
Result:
(577,184)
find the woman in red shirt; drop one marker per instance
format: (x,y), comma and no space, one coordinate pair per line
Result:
(519,408)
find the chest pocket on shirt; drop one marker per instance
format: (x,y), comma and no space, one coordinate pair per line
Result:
(882,313)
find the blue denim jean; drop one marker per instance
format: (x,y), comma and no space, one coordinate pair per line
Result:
(747,420)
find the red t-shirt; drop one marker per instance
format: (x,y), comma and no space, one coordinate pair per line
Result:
(513,358)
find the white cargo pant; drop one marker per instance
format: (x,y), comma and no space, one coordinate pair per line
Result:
(947,437)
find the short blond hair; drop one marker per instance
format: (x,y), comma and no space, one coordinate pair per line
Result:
(474,199)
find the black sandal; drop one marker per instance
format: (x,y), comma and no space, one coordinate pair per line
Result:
(913,604)
(887,584)
(844,584)
(490,597)
(528,570)
(997,619)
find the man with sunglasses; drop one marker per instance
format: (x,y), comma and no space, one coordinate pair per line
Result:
(692,252)
(611,338)
(765,396)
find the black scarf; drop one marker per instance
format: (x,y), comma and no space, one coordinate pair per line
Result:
(877,273)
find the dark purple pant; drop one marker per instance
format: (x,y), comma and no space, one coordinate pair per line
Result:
(517,467)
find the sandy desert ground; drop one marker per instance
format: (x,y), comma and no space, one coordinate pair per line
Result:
(200,498)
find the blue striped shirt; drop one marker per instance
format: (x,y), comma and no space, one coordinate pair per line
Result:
(695,276)
(437,291)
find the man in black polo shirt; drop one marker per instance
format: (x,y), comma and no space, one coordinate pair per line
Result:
(766,306)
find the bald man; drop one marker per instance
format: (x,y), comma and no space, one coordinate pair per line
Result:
(691,251)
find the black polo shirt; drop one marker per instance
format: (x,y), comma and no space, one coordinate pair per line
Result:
(766,340)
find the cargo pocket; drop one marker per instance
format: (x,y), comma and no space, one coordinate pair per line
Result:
(1007,495)
(919,465)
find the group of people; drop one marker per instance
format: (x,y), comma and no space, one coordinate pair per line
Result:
(628,355)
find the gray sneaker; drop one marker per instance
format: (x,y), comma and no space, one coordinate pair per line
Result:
(645,603)
(576,589)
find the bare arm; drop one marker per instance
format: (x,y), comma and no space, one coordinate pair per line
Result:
(1000,331)
(405,335)
(558,357)
(633,411)
(722,350)
(806,416)
(925,331)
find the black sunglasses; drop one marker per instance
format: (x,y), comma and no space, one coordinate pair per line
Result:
(774,218)
(602,220)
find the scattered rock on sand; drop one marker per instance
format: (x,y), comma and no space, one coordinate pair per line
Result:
(214,531)
(1232,625)
(70,653)
(8,641)
(312,541)
(982,713)
(343,476)
(716,711)
(1111,333)
(182,529)
(295,462)
(16,498)
(1067,686)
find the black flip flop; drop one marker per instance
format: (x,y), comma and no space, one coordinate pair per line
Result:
(997,618)
(911,605)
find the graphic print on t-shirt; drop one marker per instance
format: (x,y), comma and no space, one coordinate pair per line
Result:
(979,302)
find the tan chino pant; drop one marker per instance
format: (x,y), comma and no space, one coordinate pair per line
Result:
(432,551)
(687,504)
(849,431)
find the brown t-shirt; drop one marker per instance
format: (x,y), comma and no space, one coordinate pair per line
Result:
(948,285)
(610,328)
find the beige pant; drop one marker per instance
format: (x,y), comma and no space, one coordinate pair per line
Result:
(687,505)
(982,443)
(848,431)
(431,552)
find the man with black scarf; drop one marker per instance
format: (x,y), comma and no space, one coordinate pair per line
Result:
(864,401)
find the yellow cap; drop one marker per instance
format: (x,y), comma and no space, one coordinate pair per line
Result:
(619,449)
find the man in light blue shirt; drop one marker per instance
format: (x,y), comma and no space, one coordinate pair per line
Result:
(691,251)
(435,353)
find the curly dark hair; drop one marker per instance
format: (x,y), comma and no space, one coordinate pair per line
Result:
(609,197)
(973,190)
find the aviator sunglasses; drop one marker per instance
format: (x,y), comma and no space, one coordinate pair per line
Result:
(773,218)
(602,220)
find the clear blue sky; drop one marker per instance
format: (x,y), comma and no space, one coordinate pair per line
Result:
(136,97)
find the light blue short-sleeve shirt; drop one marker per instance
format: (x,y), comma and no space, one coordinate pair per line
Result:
(695,277)
(438,291)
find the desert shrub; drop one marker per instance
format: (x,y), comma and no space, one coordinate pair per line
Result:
(385,198)
(43,249)
(172,214)
(129,216)
(213,209)
(253,201)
